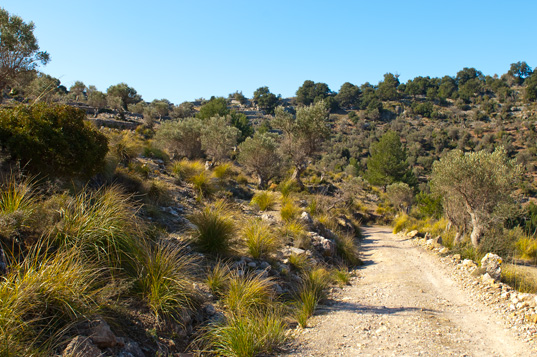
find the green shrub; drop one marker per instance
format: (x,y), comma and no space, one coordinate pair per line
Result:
(259,239)
(342,276)
(52,140)
(310,293)
(214,228)
(287,187)
(124,145)
(299,262)
(264,200)
(166,275)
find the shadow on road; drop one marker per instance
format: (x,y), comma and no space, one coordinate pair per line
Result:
(333,305)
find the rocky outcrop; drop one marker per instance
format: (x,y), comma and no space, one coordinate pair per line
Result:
(491,263)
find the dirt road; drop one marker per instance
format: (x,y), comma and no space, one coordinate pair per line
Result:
(405,304)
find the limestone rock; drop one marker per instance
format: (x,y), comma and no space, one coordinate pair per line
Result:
(492,265)
(306,220)
(412,234)
(81,346)
(102,335)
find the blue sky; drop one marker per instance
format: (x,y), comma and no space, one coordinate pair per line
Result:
(184,50)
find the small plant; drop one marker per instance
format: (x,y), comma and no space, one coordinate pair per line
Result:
(341,276)
(348,249)
(259,239)
(222,171)
(185,169)
(202,184)
(157,192)
(264,200)
(287,187)
(248,292)
(310,293)
(253,334)
(214,228)
(218,277)
(299,261)
(289,211)
(527,247)
(242,179)
(519,279)
(400,223)
(166,280)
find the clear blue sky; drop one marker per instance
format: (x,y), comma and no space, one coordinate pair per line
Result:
(183,50)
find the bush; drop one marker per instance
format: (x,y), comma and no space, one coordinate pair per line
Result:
(222,171)
(259,239)
(214,228)
(202,184)
(264,200)
(218,277)
(310,293)
(52,140)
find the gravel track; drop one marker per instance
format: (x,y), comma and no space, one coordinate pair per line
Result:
(405,303)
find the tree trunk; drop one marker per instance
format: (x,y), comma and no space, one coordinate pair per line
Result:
(458,238)
(477,230)
(3,262)
(261,182)
(296,176)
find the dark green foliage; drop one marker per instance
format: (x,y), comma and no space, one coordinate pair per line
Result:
(520,71)
(348,96)
(266,100)
(241,122)
(126,94)
(388,162)
(311,92)
(429,205)
(215,106)
(387,89)
(530,94)
(52,140)
(425,109)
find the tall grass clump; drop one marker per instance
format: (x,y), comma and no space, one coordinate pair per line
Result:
(519,278)
(185,169)
(264,200)
(248,292)
(42,297)
(18,206)
(259,239)
(215,228)
(253,334)
(222,171)
(287,187)
(348,249)
(289,211)
(103,225)
(202,184)
(310,293)
(166,280)
(527,248)
(218,277)
(401,223)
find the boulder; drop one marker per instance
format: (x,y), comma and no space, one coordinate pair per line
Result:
(325,246)
(306,220)
(81,346)
(131,349)
(492,265)
(412,234)
(102,335)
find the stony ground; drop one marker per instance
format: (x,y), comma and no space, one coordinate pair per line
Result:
(407,301)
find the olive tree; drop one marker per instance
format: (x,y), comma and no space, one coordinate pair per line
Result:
(259,154)
(303,134)
(19,51)
(181,137)
(218,137)
(480,183)
(400,195)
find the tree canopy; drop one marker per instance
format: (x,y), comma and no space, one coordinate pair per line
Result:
(478,183)
(310,92)
(266,100)
(388,162)
(125,94)
(19,50)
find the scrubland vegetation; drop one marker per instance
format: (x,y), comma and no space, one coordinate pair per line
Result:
(204,227)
